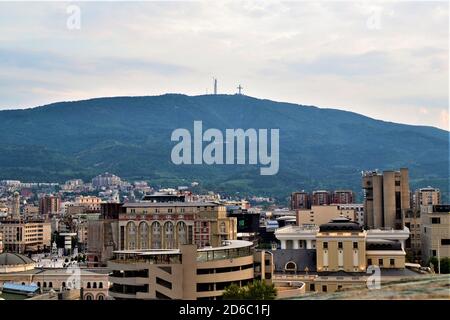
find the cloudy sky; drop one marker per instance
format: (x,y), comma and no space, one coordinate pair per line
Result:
(387,60)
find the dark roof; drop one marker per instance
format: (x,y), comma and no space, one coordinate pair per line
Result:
(301,257)
(341,224)
(10,259)
(383,245)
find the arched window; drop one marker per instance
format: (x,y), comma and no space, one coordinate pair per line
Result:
(143,235)
(168,235)
(23,283)
(156,235)
(100,285)
(95,285)
(89,297)
(88,285)
(100,297)
(181,233)
(39,284)
(290,266)
(63,284)
(50,284)
(131,235)
(45,284)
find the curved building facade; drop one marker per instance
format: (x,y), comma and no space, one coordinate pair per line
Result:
(184,273)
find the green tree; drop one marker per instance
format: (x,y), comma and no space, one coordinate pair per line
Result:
(445,265)
(233,292)
(258,290)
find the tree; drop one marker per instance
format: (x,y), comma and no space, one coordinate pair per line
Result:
(258,290)
(233,292)
(445,265)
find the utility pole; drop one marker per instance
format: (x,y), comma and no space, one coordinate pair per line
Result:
(240,89)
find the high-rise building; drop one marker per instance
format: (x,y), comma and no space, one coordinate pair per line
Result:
(106,180)
(300,200)
(49,205)
(435,221)
(426,197)
(15,209)
(321,197)
(386,197)
(343,197)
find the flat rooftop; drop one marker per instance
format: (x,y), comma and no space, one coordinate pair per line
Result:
(149,204)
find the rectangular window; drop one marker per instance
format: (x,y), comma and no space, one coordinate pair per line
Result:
(355,245)
(369,262)
(392,262)
(339,245)
(445,242)
(433,253)
(435,220)
(380,262)
(324,288)
(325,245)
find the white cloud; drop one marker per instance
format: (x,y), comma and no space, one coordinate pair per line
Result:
(319,53)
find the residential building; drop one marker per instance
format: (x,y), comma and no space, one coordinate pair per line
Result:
(49,205)
(321,197)
(25,236)
(91,203)
(343,197)
(386,198)
(435,220)
(106,180)
(300,200)
(426,197)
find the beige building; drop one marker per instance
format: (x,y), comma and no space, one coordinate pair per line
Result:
(19,269)
(1,242)
(148,225)
(426,197)
(184,273)
(29,236)
(336,255)
(387,196)
(413,245)
(435,222)
(323,213)
(91,203)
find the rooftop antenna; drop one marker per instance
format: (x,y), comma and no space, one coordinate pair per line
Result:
(240,89)
(215,86)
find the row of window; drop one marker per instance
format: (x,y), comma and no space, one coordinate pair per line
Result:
(381,262)
(340,245)
(63,285)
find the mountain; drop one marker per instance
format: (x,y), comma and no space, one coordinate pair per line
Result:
(131,137)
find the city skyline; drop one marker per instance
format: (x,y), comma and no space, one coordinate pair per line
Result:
(373,59)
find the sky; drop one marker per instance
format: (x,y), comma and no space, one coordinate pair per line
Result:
(387,60)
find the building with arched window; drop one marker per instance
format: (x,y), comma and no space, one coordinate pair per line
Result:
(155,225)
